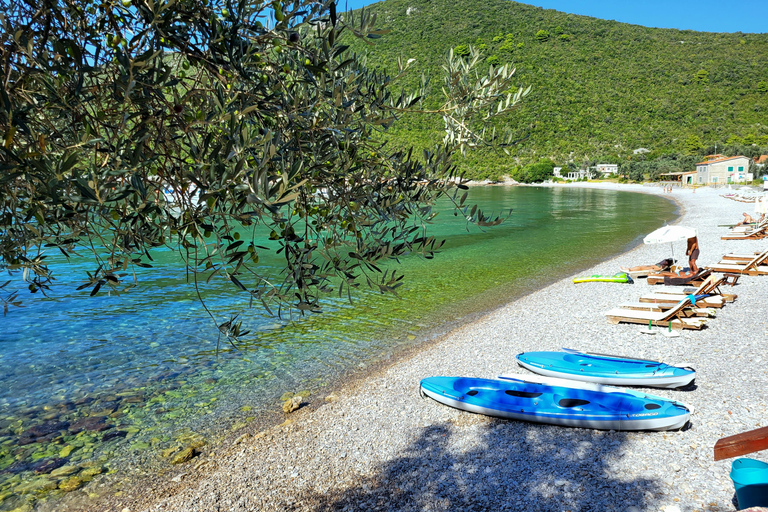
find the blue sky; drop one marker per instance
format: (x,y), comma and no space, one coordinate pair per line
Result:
(702,15)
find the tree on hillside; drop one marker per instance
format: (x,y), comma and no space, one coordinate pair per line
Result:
(219,130)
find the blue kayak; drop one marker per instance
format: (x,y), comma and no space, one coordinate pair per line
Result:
(556,405)
(606,369)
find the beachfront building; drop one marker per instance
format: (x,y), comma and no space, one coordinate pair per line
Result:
(607,170)
(580,174)
(720,169)
(556,172)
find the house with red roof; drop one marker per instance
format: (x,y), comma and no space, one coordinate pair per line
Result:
(723,169)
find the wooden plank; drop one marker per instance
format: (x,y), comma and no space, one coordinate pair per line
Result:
(742,444)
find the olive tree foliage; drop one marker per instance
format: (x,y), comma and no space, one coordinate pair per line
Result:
(208,126)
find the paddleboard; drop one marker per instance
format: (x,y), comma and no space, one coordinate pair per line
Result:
(556,405)
(621,277)
(607,369)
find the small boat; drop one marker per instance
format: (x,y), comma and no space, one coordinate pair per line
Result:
(607,369)
(621,277)
(556,405)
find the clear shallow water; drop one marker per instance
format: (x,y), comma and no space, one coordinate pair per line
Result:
(120,380)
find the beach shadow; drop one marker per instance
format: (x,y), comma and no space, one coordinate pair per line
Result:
(500,465)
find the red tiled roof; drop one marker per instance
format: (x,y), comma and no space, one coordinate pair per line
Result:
(761,159)
(720,160)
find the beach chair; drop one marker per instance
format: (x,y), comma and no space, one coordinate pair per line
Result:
(679,317)
(711,287)
(743,256)
(743,228)
(697,310)
(754,267)
(751,234)
(742,444)
(670,279)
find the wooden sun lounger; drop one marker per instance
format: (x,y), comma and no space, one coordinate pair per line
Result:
(661,306)
(678,317)
(713,301)
(696,280)
(743,257)
(742,444)
(710,285)
(753,234)
(755,267)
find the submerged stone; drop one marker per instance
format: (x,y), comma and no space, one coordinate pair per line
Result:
(36,485)
(113,434)
(93,424)
(46,466)
(71,484)
(42,432)
(65,471)
(184,455)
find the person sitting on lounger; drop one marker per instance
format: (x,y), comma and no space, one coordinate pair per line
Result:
(747,220)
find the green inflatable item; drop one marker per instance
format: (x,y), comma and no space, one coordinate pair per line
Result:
(621,277)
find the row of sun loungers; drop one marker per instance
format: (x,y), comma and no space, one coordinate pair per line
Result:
(690,308)
(679,310)
(748,231)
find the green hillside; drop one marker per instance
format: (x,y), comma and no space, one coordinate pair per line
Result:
(600,89)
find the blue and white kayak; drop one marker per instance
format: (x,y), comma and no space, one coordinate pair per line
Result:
(556,405)
(607,369)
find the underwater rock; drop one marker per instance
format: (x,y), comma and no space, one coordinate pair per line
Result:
(113,434)
(36,485)
(169,451)
(42,432)
(71,484)
(93,424)
(66,451)
(84,401)
(286,396)
(184,455)
(91,472)
(65,471)
(42,467)
(332,397)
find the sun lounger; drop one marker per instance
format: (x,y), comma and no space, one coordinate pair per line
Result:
(752,234)
(697,310)
(744,256)
(644,270)
(711,287)
(742,444)
(670,279)
(679,317)
(754,267)
(710,301)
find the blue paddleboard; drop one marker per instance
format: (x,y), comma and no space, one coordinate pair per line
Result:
(556,405)
(606,369)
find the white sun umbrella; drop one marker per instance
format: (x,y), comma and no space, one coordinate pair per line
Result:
(761,205)
(669,235)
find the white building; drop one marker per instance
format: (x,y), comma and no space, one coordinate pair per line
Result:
(607,169)
(720,169)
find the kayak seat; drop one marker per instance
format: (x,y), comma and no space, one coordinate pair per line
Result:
(522,394)
(570,402)
(472,392)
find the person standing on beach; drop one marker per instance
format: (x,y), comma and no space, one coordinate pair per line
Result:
(693,254)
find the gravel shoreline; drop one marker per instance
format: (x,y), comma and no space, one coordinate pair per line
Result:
(380,446)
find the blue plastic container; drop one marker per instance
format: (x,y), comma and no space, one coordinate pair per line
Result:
(750,478)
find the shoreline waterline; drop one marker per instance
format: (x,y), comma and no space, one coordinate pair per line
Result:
(354,382)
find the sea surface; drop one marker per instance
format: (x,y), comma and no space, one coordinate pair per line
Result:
(107,387)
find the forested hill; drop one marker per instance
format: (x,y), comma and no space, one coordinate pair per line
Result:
(600,89)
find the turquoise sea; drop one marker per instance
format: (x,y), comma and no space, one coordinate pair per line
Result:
(103,387)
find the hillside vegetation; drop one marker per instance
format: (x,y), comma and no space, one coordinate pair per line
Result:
(600,89)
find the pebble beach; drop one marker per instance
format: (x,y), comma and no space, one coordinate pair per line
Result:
(374,443)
